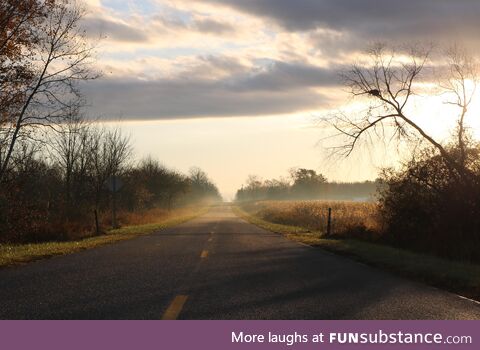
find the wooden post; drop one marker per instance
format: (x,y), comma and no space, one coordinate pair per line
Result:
(114,202)
(329,222)
(97,226)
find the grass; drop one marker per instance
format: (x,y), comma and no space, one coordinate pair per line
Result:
(457,277)
(348,218)
(21,254)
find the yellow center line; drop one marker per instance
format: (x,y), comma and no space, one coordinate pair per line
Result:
(204,254)
(175,308)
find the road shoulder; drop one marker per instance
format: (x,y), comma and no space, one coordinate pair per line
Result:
(457,277)
(20,254)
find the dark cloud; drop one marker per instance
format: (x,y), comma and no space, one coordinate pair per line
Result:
(281,76)
(213,27)
(279,90)
(373,19)
(211,65)
(114,30)
(202,25)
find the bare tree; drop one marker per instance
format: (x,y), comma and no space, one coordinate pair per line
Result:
(109,152)
(460,85)
(387,83)
(70,149)
(59,58)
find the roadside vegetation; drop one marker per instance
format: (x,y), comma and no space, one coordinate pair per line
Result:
(349,219)
(15,254)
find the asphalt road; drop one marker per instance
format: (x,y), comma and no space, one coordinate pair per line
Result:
(216,267)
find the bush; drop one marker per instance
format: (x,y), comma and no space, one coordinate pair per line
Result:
(427,207)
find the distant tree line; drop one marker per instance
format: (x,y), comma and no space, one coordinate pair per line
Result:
(304,184)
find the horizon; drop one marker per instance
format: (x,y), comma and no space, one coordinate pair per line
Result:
(238,88)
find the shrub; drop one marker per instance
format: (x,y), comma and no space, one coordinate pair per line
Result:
(426,207)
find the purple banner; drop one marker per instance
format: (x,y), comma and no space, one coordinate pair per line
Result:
(183,335)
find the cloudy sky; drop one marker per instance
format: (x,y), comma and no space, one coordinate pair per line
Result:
(235,86)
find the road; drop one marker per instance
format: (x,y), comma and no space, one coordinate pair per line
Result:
(216,267)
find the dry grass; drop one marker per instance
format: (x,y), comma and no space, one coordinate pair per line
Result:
(349,219)
(151,216)
(140,224)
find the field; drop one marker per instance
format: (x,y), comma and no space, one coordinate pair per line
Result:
(349,219)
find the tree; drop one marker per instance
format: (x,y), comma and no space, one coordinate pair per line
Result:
(70,149)
(54,59)
(460,84)
(307,183)
(387,83)
(17,40)
(147,184)
(175,184)
(424,208)
(430,203)
(201,187)
(110,152)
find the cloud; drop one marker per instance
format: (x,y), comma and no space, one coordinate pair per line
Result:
(114,30)
(310,14)
(280,89)
(209,58)
(372,19)
(283,76)
(212,26)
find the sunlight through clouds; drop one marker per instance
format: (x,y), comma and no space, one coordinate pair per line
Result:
(181,60)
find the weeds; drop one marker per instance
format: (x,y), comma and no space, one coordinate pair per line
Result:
(349,219)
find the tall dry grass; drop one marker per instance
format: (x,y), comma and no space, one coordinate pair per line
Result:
(349,219)
(150,216)
(76,230)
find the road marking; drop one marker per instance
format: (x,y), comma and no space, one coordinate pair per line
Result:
(305,245)
(204,254)
(465,298)
(175,307)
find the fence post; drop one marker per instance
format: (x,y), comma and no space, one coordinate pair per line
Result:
(114,202)
(329,222)
(97,226)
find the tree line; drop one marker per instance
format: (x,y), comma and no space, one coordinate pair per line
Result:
(305,184)
(55,164)
(53,190)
